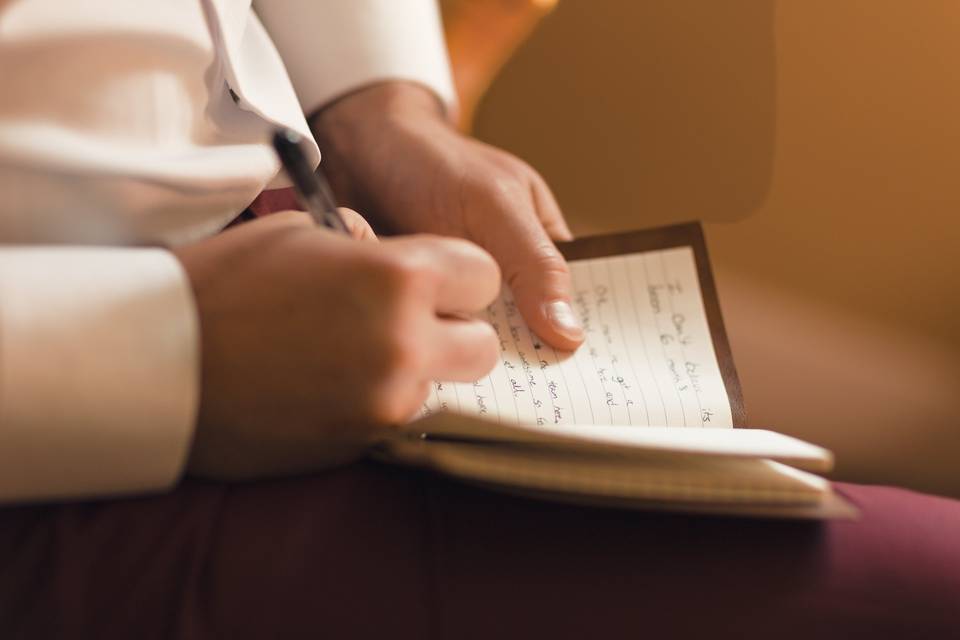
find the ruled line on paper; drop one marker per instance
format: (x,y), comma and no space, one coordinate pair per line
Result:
(647,360)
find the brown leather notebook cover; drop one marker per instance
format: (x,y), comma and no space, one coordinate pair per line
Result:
(680,235)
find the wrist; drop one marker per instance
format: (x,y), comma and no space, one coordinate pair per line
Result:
(387,103)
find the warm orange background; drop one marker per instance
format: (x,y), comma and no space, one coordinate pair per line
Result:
(821,141)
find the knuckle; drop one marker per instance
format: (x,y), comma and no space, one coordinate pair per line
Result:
(404,353)
(476,359)
(394,396)
(546,256)
(420,265)
(403,406)
(523,168)
(388,406)
(544,262)
(403,271)
(507,187)
(507,160)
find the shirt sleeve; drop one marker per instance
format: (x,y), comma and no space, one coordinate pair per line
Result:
(331,47)
(99,371)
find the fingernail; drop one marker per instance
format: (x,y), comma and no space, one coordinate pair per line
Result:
(561,316)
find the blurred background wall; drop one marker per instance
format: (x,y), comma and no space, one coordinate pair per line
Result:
(820,142)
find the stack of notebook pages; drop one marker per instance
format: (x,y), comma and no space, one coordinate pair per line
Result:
(642,415)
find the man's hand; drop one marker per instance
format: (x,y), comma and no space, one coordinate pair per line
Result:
(391,153)
(311,340)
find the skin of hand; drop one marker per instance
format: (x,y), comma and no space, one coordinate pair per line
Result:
(312,341)
(390,151)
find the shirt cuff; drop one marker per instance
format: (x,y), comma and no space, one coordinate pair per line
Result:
(331,47)
(99,371)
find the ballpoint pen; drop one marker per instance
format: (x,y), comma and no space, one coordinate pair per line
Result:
(311,185)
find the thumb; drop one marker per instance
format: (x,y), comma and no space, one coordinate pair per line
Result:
(540,281)
(357,225)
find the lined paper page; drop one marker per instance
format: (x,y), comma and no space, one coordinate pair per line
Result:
(648,359)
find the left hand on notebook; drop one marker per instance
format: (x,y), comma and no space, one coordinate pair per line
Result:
(391,153)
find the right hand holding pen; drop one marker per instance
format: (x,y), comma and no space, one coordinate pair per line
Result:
(311,340)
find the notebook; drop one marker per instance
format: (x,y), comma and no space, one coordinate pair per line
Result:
(648,413)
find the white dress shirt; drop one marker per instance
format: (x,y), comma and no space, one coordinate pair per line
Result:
(128,124)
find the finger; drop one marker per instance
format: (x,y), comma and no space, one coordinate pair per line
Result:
(357,225)
(287,218)
(467,277)
(537,274)
(464,350)
(418,397)
(548,210)
(540,281)
(410,396)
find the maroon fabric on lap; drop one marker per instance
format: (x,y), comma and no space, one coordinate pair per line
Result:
(374,552)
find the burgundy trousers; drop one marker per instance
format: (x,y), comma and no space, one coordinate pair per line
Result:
(369,551)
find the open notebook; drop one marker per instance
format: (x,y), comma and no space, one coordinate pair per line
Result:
(641,415)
